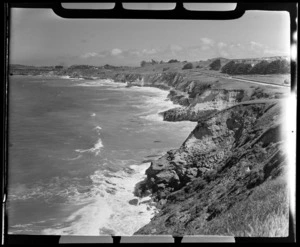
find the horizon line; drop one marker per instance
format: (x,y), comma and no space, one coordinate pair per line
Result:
(154,60)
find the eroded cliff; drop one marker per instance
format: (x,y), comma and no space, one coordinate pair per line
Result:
(226,159)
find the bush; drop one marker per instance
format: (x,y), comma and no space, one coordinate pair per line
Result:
(286,81)
(242,68)
(259,68)
(173,61)
(188,66)
(256,177)
(215,65)
(210,175)
(200,184)
(153,62)
(199,88)
(164,69)
(278,67)
(228,68)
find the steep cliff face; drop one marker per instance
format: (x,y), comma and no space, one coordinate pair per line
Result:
(204,103)
(196,99)
(223,161)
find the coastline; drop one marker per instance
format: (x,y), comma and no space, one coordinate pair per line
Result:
(184,173)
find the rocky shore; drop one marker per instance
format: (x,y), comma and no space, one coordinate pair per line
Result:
(228,158)
(228,175)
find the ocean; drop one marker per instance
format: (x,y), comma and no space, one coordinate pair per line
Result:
(77,148)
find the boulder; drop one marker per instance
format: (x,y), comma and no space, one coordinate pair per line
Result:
(134,202)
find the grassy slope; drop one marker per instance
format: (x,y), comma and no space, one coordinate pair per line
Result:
(263,214)
(244,193)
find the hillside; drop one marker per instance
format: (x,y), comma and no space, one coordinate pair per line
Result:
(226,178)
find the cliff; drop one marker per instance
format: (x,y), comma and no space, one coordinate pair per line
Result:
(226,178)
(198,91)
(197,96)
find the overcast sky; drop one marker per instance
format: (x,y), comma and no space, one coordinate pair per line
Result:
(39,37)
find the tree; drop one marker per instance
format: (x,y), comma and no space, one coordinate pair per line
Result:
(228,68)
(273,67)
(173,61)
(188,66)
(153,61)
(241,68)
(143,63)
(259,68)
(215,65)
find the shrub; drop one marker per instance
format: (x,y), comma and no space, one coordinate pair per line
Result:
(153,62)
(259,68)
(228,68)
(164,69)
(199,88)
(143,63)
(215,65)
(188,66)
(173,61)
(242,68)
(256,177)
(210,175)
(278,67)
(200,184)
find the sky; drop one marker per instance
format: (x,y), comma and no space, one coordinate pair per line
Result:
(41,38)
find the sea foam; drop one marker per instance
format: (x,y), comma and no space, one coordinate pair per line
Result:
(109,213)
(96,149)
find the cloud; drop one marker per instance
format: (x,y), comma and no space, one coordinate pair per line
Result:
(116,52)
(149,51)
(89,54)
(206,44)
(207,41)
(176,48)
(207,48)
(93,54)
(135,53)
(255,45)
(221,45)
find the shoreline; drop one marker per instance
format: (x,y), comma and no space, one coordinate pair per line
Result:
(186,171)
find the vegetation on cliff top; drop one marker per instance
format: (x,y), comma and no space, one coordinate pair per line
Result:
(215,65)
(280,66)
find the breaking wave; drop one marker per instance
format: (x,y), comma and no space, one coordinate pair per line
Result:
(108,211)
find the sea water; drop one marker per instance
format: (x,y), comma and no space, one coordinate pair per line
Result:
(77,148)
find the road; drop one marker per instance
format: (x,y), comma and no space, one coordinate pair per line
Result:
(245,80)
(255,82)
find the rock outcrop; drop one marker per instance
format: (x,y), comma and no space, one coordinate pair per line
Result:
(225,158)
